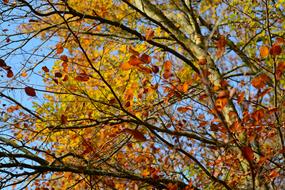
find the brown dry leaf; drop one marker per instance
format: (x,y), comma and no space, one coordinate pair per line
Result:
(30,91)
(45,69)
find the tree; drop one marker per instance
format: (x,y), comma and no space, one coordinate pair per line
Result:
(142,94)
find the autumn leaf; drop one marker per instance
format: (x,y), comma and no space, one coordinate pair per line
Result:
(264,51)
(260,81)
(145,58)
(59,48)
(24,74)
(58,75)
(149,34)
(5,1)
(247,153)
(63,119)
(154,69)
(221,44)
(30,91)
(64,58)
(136,134)
(134,60)
(10,74)
(82,77)
(275,50)
(45,69)
(126,66)
(133,51)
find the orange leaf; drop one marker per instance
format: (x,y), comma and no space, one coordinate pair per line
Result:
(125,66)
(275,50)
(5,1)
(134,60)
(247,153)
(221,44)
(280,69)
(59,48)
(149,34)
(45,69)
(167,65)
(24,74)
(264,51)
(10,74)
(260,81)
(30,91)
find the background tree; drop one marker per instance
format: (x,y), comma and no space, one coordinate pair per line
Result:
(142,94)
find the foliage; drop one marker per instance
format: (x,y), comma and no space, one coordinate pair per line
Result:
(142,94)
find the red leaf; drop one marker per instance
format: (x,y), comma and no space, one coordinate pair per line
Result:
(133,51)
(10,74)
(45,69)
(134,60)
(30,91)
(275,50)
(247,153)
(145,58)
(64,58)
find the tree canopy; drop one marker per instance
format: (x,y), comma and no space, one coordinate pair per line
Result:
(142,94)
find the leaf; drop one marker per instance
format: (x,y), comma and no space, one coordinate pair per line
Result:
(247,153)
(221,44)
(59,48)
(24,74)
(5,1)
(82,77)
(264,51)
(280,70)
(133,51)
(275,50)
(64,58)
(134,60)
(63,119)
(154,69)
(126,66)
(145,58)
(149,34)
(260,81)
(136,134)
(10,74)
(30,91)
(58,75)
(45,69)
